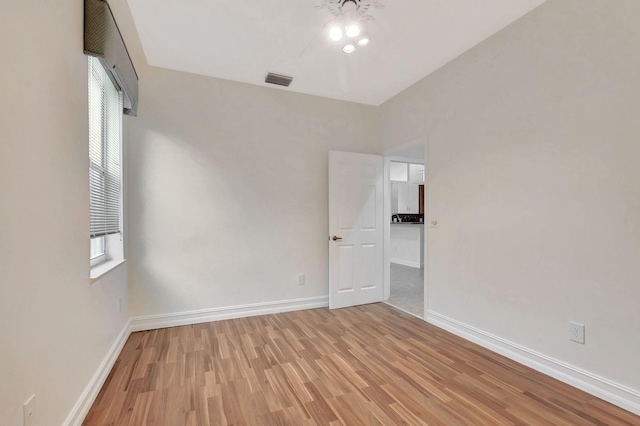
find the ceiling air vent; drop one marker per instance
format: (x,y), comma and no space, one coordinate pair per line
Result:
(279,79)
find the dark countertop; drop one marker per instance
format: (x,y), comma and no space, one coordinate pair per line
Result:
(407,223)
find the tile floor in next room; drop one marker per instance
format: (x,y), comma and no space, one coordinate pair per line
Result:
(407,289)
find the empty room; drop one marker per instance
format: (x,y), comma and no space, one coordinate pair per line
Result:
(204,204)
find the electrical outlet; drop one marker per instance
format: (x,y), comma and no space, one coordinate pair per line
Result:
(300,279)
(576,332)
(29,411)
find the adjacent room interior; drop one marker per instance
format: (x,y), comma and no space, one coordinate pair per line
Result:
(212,254)
(405,187)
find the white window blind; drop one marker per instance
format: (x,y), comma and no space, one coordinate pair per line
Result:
(105,130)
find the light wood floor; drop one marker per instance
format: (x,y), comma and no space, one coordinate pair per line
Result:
(368,365)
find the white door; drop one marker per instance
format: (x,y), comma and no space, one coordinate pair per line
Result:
(355,229)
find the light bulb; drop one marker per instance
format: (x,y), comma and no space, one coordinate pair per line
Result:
(364,40)
(335,33)
(349,48)
(353,30)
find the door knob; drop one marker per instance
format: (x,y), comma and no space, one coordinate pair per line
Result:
(334,238)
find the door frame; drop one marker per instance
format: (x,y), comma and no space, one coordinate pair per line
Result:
(388,156)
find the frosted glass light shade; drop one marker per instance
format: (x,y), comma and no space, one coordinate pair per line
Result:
(353,30)
(349,48)
(364,40)
(335,33)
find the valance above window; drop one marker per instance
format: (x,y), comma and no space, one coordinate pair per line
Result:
(103,40)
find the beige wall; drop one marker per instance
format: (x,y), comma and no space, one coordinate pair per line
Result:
(55,328)
(228,191)
(533,167)
(533,158)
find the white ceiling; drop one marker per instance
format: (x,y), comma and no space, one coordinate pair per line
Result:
(242,40)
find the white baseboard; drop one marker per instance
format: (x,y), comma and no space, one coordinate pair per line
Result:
(615,393)
(405,262)
(151,322)
(82,406)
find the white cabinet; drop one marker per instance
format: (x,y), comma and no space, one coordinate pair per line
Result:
(398,172)
(408,196)
(406,172)
(416,173)
(407,244)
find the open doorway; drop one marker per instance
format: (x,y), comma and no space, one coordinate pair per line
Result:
(405,233)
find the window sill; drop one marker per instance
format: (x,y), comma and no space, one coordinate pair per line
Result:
(102,269)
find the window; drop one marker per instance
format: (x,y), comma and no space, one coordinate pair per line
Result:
(105,176)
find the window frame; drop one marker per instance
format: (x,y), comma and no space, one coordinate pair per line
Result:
(106,250)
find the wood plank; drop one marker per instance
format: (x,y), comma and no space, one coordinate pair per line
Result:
(368,365)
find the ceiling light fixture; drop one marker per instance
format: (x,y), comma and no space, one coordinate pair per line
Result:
(350,22)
